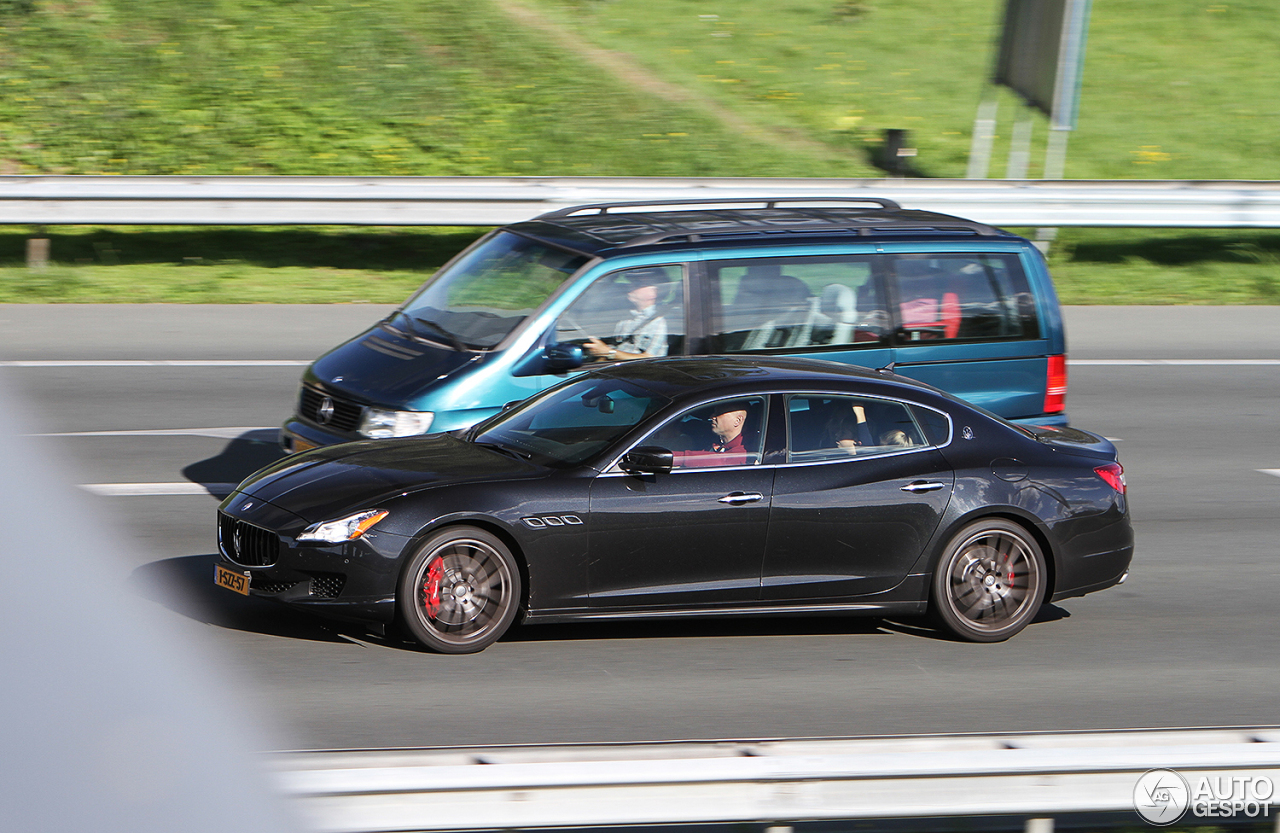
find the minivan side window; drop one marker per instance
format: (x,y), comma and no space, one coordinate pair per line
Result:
(796,302)
(633,312)
(962,297)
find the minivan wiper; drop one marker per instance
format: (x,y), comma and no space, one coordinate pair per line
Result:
(453,339)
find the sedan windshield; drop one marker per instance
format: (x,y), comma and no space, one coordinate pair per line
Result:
(487,292)
(571,423)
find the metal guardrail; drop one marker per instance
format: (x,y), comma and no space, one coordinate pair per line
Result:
(489,201)
(770,783)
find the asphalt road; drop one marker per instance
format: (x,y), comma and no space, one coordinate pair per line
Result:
(1187,641)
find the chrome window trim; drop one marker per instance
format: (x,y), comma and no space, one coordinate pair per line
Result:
(612,469)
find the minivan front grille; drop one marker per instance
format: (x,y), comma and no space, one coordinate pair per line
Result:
(328,409)
(246,544)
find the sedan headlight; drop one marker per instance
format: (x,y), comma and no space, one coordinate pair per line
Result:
(379,424)
(343,529)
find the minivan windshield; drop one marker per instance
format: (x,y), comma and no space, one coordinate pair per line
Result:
(487,292)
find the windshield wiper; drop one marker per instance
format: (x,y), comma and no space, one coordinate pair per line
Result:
(511,452)
(453,339)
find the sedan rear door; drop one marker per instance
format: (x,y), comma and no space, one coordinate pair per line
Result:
(862,492)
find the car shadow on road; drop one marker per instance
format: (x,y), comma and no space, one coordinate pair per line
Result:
(185,586)
(241,457)
(701,628)
(748,626)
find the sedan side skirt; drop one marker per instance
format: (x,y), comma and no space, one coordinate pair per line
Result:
(881,608)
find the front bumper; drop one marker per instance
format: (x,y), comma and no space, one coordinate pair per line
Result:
(297,435)
(354,580)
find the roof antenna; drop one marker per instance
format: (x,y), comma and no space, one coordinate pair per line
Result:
(888,368)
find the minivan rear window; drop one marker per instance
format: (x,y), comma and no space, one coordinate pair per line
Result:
(962,297)
(484,295)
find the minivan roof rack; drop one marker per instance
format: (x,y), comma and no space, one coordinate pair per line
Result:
(766,202)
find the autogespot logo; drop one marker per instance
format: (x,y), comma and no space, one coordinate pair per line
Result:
(1163,796)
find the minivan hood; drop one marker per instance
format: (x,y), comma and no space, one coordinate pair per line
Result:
(382,367)
(326,482)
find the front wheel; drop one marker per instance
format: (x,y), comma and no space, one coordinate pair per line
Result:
(460,591)
(989,582)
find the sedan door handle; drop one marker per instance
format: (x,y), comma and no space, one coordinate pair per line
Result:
(921,486)
(737,498)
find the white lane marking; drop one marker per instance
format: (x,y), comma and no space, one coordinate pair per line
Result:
(1275,472)
(1175,362)
(259,434)
(304,363)
(157,363)
(157,489)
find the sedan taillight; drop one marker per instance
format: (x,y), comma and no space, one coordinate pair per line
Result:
(1113,473)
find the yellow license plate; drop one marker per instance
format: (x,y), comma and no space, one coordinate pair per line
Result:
(231,580)
(300,444)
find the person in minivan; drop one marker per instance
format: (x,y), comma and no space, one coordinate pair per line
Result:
(642,334)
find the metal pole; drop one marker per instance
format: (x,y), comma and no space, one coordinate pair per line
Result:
(984,134)
(1020,146)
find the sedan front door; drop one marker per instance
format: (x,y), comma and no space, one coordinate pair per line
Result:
(692,537)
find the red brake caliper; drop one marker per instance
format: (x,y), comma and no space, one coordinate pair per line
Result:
(431,588)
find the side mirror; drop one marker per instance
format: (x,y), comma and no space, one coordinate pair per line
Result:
(647,459)
(558,357)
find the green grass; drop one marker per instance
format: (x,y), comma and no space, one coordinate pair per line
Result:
(1172,89)
(344,265)
(242,265)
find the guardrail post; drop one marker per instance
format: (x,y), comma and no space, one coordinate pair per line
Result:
(37,252)
(1039,826)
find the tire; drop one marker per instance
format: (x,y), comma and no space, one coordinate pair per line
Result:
(990,581)
(459,592)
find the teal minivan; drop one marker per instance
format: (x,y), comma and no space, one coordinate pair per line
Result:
(960,305)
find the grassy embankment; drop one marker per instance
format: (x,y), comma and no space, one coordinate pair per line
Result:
(1172,90)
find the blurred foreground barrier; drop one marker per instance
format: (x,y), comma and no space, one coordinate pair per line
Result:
(490,201)
(1019,781)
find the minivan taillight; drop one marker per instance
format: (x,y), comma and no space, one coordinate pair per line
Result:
(1055,385)
(1113,473)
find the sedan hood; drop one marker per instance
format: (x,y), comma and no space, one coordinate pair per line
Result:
(326,482)
(383,367)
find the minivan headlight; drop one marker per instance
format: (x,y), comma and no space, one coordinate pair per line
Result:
(343,529)
(379,424)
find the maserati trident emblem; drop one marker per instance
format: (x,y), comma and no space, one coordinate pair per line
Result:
(235,541)
(325,412)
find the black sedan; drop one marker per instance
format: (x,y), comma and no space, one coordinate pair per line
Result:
(690,487)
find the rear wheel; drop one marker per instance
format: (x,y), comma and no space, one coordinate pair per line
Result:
(460,591)
(990,581)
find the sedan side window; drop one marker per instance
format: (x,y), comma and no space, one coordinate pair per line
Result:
(727,433)
(839,427)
